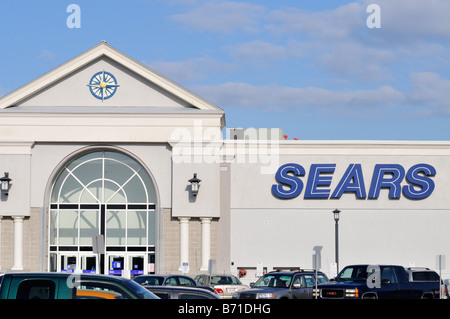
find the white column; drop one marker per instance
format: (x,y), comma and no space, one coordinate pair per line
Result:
(184,242)
(18,243)
(206,242)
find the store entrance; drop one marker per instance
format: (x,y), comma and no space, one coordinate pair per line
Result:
(129,266)
(123,265)
(78,263)
(103,217)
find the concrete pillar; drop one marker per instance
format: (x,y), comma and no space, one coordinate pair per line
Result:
(18,243)
(206,242)
(184,243)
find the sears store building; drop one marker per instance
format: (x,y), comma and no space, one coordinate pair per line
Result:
(108,167)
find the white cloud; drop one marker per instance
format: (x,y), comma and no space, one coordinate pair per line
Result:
(429,96)
(191,69)
(354,60)
(223,17)
(409,51)
(412,20)
(318,100)
(333,25)
(337,41)
(257,50)
(46,55)
(432,91)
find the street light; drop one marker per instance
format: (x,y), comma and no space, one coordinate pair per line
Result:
(336,234)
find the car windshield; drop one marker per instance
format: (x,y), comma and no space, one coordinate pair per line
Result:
(149,280)
(225,280)
(274,281)
(321,278)
(353,273)
(141,291)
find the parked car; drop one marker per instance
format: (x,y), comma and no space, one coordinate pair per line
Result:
(447,287)
(423,274)
(165,280)
(172,292)
(69,286)
(283,285)
(376,282)
(224,285)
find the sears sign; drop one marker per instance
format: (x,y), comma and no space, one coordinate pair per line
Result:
(417,181)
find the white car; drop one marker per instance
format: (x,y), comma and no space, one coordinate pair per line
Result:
(225,285)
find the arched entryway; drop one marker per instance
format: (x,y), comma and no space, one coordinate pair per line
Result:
(103,216)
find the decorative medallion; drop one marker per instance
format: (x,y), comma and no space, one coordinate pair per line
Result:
(103,85)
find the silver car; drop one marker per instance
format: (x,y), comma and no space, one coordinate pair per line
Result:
(224,285)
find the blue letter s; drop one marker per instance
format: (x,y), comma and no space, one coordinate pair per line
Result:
(283,177)
(415,178)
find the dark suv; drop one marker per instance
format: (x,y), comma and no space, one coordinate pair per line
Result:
(283,285)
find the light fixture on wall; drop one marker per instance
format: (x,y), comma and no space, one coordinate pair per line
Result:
(5,183)
(195,184)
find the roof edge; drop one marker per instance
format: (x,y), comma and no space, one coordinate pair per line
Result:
(103,49)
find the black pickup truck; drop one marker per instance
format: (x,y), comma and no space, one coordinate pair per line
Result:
(376,282)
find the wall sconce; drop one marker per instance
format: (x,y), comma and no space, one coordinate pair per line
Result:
(195,184)
(5,183)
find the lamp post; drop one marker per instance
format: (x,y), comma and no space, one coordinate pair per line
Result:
(336,238)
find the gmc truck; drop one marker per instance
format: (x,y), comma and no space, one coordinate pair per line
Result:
(69,286)
(376,282)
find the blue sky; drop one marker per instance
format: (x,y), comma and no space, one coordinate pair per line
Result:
(311,67)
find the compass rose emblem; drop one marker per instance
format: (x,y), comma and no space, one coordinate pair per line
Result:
(103,85)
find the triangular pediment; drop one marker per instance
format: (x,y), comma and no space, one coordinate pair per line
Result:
(127,83)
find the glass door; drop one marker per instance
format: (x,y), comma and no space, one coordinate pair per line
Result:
(68,263)
(89,264)
(127,265)
(136,265)
(116,265)
(78,263)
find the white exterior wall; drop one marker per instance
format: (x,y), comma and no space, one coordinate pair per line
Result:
(283,232)
(15,158)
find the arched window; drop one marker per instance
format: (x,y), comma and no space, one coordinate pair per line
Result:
(103,193)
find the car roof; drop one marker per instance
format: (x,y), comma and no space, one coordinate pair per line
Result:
(164,276)
(418,269)
(63,274)
(295,272)
(178,288)
(217,275)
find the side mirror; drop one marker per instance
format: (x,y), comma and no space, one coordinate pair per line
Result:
(385,281)
(252,284)
(297,285)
